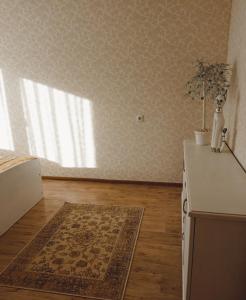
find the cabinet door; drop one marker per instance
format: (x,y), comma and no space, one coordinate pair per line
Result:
(186,238)
(183,197)
(186,242)
(219,259)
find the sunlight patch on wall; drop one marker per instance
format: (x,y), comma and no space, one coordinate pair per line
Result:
(6,139)
(59,125)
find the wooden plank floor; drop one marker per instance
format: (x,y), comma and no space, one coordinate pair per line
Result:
(156,268)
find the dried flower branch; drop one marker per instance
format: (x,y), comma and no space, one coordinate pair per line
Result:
(216,78)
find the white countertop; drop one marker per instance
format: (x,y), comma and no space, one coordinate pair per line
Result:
(215,181)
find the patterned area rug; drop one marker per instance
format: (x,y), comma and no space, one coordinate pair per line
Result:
(85,250)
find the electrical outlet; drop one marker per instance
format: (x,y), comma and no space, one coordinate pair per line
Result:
(140,118)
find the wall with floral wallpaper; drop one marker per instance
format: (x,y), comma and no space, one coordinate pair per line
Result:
(75,75)
(235,108)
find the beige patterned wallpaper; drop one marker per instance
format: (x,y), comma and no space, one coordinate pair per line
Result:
(235,107)
(76,73)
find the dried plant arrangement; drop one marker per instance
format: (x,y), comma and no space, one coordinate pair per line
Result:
(211,81)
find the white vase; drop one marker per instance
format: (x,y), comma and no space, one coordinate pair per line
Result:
(218,125)
(201,137)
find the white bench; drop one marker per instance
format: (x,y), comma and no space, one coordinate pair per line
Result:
(20,190)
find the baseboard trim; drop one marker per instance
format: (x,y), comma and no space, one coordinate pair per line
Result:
(171,184)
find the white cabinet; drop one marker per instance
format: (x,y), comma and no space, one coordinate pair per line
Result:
(213,225)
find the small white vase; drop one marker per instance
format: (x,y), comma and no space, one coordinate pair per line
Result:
(201,137)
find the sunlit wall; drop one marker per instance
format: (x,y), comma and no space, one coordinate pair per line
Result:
(127,58)
(6,139)
(59,125)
